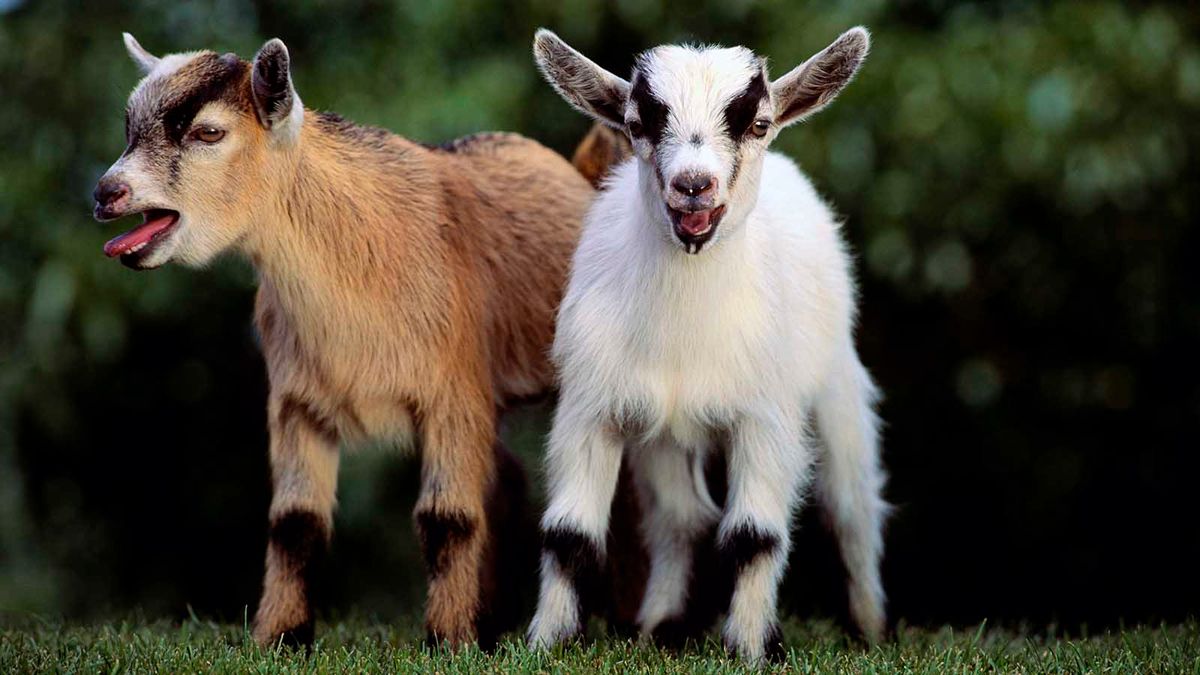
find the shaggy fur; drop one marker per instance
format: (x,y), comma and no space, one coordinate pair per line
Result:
(710,311)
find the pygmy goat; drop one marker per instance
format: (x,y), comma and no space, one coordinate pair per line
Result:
(406,293)
(710,311)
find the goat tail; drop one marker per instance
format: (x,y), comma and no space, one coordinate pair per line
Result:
(600,150)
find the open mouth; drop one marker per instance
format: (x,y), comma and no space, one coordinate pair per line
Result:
(134,245)
(695,228)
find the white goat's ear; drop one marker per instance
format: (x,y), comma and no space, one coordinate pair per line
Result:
(275,100)
(591,89)
(815,83)
(145,61)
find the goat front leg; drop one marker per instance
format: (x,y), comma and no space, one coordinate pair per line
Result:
(458,469)
(583,463)
(304,465)
(768,463)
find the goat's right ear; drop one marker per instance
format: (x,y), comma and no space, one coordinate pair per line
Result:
(275,100)
(591,89)
(145,61)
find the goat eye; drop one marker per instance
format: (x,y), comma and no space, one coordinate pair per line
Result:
(760,127)
(208,134)
(635,128)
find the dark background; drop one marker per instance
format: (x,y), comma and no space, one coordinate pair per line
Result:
(1019,181)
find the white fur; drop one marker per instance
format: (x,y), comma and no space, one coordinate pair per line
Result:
(663,351)
(558,609)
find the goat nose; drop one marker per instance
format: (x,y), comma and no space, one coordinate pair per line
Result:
(108,192)
(694,185)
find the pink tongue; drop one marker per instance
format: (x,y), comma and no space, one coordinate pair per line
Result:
(141,234)
(695,223)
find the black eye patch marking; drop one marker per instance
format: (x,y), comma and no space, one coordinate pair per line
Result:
(653,112)
(741,111)
(206,79)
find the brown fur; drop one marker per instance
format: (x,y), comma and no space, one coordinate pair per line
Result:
(599,151)
(409,291)
(405,292)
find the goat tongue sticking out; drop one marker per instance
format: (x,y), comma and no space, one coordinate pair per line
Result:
(696,222)
(154,223)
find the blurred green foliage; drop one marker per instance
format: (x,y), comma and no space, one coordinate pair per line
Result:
(1018,178)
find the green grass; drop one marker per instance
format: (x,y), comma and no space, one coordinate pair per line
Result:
(361,646)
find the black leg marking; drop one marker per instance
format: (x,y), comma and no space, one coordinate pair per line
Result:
(746,543)
(576,553)
(301,540)
(579,559)
(441,532)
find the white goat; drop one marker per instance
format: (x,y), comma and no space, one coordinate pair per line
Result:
(677,339)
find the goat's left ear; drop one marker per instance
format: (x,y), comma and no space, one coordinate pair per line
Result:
(275,100)
(815,83)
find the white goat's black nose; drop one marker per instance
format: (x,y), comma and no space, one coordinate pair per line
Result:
(694,185)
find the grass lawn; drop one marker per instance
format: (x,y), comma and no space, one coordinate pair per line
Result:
(361,646)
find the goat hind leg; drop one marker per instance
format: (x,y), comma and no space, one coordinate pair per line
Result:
(510,557)
(677,516)
(850,485)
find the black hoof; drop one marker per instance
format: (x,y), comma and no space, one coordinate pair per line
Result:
(298,638)
(773,649)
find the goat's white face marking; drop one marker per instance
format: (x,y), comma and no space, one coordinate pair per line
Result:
(700,119)
(692,116)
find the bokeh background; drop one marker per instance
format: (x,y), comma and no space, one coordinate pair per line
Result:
(1019,180)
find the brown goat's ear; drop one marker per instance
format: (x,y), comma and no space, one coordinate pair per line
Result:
(275,100)
(145,61)
(591,89)
(815,83)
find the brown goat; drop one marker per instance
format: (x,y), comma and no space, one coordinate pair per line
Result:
(406,293)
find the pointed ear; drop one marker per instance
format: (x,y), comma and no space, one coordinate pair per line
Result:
(145,61)
(275,100)
(589,88)
(815,83)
